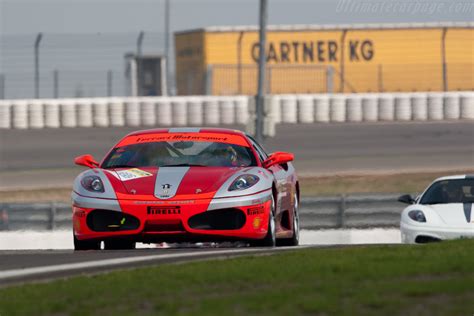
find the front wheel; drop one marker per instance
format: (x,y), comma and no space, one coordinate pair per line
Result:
(270,237)
(295,239)
(86,244)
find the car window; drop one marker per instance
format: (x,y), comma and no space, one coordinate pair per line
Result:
(449,191)
(180,153)
(260,151)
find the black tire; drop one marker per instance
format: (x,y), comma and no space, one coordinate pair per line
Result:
(295,239)
(80,245)
(118,244)
(270,238)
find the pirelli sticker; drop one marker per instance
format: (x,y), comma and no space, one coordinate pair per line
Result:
(131,174)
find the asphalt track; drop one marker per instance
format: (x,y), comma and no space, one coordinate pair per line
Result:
(17,267)
(39,158)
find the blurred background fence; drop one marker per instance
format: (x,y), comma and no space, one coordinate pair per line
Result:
(358,211)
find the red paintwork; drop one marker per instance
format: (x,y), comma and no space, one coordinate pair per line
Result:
(135,196)
(278,158)
(86,160)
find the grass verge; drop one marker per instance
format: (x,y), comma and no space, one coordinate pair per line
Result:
(435,279)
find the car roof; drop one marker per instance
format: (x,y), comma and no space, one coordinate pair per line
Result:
(455,177)
(188,130)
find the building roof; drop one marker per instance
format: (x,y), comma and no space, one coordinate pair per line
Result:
(323,27)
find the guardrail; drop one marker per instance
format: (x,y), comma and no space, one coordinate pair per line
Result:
(225,110)
(315,213)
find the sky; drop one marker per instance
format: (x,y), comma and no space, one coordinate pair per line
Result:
(85,16)
(84,39)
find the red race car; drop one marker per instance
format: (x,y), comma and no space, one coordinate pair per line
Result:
(186,185)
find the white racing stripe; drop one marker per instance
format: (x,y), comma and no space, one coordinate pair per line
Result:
(168,180)
(17,273)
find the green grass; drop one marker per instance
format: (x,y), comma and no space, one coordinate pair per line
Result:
(435,279)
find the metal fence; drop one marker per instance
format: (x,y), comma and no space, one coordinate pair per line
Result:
(71,65)
(242,79)
(315,213)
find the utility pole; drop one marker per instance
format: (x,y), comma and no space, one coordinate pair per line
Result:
(260,99)
(109,83)
(167,46)
(56,84)
(37,79)
(139,63)
(2,86)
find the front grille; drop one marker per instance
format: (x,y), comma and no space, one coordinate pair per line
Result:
(106,220)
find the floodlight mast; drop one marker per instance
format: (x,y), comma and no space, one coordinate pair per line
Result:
(260,98)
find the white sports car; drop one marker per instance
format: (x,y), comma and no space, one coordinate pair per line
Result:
(443,211)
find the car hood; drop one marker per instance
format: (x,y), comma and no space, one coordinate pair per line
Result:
(455,214)
(170,182)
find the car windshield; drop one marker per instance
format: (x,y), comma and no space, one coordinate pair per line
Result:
(180,153)
(450,191)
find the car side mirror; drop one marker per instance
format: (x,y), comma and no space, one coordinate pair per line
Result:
(407,199)
(87,161)
(278,158)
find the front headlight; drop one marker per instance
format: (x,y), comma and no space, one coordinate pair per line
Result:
(244,182)
(417,216)
(93,184)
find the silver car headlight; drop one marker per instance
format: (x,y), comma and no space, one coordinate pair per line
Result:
(93,184)
(244,182)
(417,216)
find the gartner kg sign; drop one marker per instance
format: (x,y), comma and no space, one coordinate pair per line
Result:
(315,51)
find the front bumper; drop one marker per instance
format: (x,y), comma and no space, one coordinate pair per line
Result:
(243,217)
(412,234)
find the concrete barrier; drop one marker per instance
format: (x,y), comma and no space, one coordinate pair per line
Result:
(147,112)
(195,112)
(452,108)
(435,106)
(229,110)
(179,111)
(52,117)
(403,107)
(117,112)
(211,111)
(467,106)
(5,115)
(288,108)
(337,110)
(84,112)
(370,110)
(321,108)
(35,114)
(241,110)
(100,112)
(419,103)
(132,112)
(305,106)
(164,117)
(275,104)
(354,108)
(67,112)
(386,107)
(20,114)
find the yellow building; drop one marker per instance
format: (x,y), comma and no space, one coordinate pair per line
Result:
(342,58)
